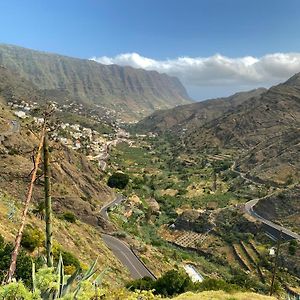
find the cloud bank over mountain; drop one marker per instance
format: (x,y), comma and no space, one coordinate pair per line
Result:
(218,72)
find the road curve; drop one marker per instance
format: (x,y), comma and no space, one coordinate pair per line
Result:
(121,250)
(273,229)
(103,211)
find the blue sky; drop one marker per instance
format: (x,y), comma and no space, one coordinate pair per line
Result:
(163,31)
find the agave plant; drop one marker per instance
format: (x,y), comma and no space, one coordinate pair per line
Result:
(54,284)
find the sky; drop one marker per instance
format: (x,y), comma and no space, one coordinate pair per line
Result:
(215,47)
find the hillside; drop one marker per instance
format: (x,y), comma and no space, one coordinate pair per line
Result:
(77,185)
(263,126)
(265,129)
(283,208)
(77,190)
(133,93)
(187,117)
(76,182)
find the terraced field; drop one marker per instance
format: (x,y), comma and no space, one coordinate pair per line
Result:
(249,258)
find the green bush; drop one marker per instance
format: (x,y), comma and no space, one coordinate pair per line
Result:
(247,281)
(212,284)
(118,180)
(173,282)
(39,210)
(170,283)
(32,238)
(24,262)
(293,247)
(68,258)
(145,283)
(17,291)
(69,217)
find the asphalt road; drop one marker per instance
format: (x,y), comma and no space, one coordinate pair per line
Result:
(127,257)
(275,231)
(121,250)
(103,211)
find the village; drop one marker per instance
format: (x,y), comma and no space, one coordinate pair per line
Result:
(94,144)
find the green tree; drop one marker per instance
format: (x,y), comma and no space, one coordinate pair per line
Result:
(173,282)
(118,180)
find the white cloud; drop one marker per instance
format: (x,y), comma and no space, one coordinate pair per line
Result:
(217,70)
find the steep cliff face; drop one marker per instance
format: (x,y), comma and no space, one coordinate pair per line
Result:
(129,91)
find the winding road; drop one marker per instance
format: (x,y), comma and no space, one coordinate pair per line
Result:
(275,231)
(121,250)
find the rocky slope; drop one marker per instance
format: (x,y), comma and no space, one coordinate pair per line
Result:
(15,87)
(266,129)
(77,188)
(283,208)
(250,123)
(131,92)
(77,185)
(187,117)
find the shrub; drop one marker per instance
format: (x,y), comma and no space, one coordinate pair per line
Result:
(32,238)
(118,180)
(17,290)
(173,282)
(68,258)
(39,210)
(145,283)
(69,217)
(24,262)
(170,283)
(217,285)
(293,247)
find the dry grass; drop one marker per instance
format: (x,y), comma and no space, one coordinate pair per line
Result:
(82,240)
(220,295)
(169,192)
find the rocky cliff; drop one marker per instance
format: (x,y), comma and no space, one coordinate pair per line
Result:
(131,92)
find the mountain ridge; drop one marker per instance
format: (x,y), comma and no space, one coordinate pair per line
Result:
(131,92)
(188,114)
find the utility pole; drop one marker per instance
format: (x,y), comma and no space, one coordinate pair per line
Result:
(275,264)
(48,205)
